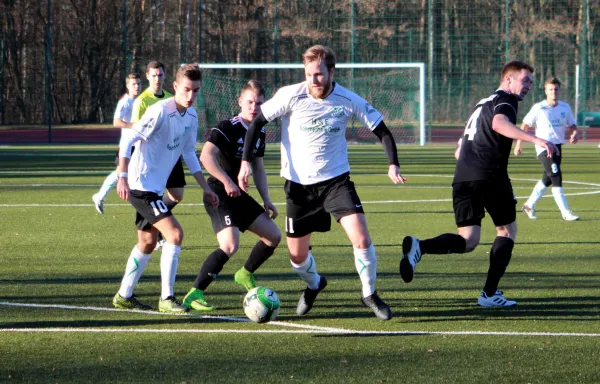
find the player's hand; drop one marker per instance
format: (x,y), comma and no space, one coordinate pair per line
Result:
(550,149)
(518,150)
(123,188)
(395,175)
(211,197)
(243,176)
(271,210)
(574,138)
(232,190)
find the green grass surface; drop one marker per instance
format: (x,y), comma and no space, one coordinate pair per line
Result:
(61,263)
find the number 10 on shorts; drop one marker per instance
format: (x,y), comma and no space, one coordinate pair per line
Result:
(159,206)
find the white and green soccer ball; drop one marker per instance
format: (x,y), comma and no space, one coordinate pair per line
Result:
(261,304)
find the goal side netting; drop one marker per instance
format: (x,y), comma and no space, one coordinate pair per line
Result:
(397,90)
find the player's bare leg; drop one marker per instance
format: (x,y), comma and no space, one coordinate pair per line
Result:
(365,261)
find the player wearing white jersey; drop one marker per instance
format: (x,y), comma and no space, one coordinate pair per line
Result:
(550,117)
(167,131)
(121,119)
(314,161)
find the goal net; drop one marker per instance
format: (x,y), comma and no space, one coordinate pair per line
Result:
(397,90)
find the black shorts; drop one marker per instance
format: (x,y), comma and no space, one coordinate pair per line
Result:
(149,207)
(551,165)
(177,176)
(472,198)
(237,212)
(308,206)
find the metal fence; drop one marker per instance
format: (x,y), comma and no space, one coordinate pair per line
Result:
(64,62)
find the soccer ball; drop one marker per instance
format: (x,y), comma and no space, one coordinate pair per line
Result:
(261,304)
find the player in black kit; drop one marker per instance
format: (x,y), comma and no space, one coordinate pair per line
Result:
(237,211)
(481,183)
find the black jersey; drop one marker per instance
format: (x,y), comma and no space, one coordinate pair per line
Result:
(484,153)
(229,136)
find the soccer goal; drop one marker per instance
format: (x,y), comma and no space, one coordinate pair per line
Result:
(397,90)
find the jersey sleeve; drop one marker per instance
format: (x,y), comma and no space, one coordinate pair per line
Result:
(507,105)
(531,116)
(219,135)
(120,112)
(150,122)
(189,149)
(260,151)
(278,105)
(365,112)
(138,110)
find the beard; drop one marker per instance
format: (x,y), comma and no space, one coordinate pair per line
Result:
(320,94)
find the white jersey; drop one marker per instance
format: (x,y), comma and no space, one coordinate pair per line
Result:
(162,136)
(550,122)
(313,131)
(123,111)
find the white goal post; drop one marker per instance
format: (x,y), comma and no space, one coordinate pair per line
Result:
(395,89)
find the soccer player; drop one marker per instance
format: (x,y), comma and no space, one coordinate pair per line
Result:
(481,183)
(167,131)
(237,211)
(156,75)
(121,119)
(550,117)
(314,161)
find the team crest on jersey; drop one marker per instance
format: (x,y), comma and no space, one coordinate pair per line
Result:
(369,109)
(562,115)
(338,112)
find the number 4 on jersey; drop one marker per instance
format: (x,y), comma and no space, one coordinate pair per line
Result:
(471,128)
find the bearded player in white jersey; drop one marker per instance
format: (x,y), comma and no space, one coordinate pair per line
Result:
(314,161)
(167,131)
(550,117)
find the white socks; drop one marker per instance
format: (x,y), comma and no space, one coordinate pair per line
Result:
(109,183)
(133,271)
(559,198)
(365,261)
(538,191)
(169,260)
(308,271)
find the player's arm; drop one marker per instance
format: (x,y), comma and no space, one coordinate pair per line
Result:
(519,145)
(389,146)
(260,180)
(125,146)
(252,136)
(118,123)
(209,158)
(502,125)
(574,134)
(191,160)
(457,149)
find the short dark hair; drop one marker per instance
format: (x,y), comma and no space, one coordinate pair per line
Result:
(553,81)
(515,66)
(321,53)
(255,86)
(154,65)
(191,71)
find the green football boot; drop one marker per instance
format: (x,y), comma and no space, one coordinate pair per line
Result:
(171,305)
(245,279)
(195,300)
(129,303)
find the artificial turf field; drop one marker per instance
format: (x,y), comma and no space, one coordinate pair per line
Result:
(61,263)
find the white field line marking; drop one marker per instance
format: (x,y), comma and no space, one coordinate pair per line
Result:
(595,192)
(156,313)
(306,328)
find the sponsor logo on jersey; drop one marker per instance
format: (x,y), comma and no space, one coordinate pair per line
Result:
(338,111)
(175,144)
(319,125)
(369,109)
